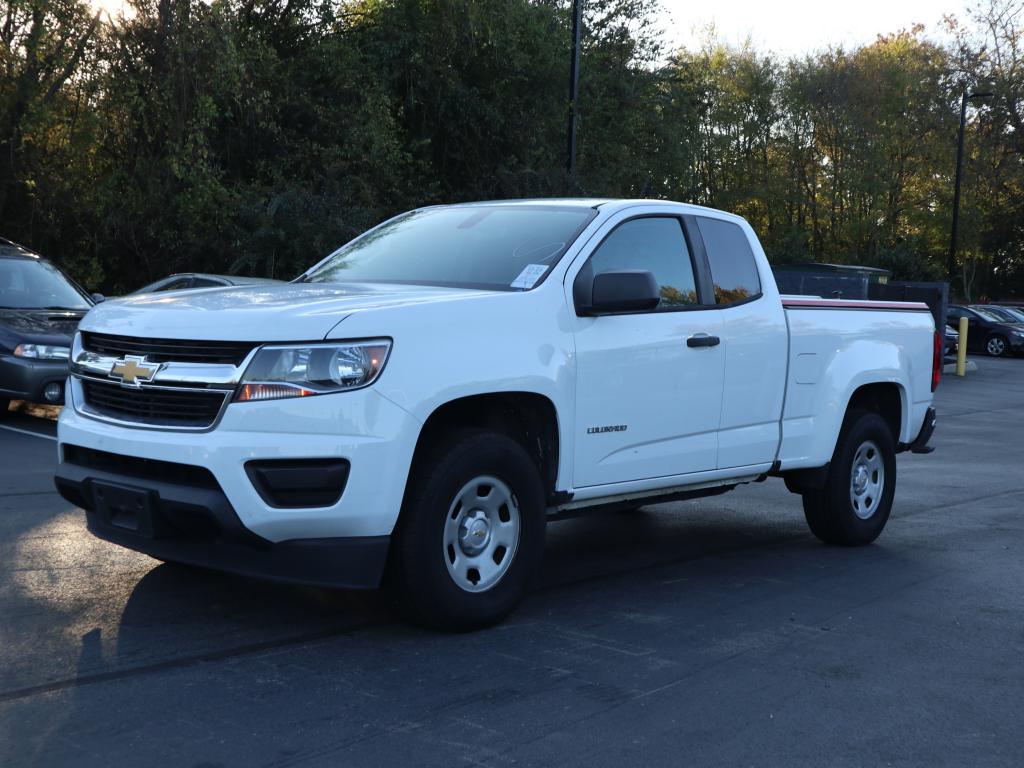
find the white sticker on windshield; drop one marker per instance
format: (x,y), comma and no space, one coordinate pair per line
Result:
(529,276)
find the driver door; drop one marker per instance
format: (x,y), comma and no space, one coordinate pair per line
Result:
(648,397)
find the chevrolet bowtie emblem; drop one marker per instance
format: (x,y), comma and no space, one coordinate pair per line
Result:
(132,370)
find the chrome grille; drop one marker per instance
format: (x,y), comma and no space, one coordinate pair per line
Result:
(168,350)
(158,383)
(187,408)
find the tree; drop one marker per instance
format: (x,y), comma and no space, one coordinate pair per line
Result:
(257,135)
(44,44)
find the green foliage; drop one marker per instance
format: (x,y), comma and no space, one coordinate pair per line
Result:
(255,136)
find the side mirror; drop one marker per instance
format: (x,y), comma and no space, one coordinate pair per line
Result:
(98,298)
(627,290)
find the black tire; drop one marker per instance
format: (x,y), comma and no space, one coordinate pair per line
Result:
(996,346)
(425,585)
(831,512)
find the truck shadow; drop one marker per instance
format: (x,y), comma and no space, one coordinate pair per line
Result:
(198,603)
(197,612)
(643,589)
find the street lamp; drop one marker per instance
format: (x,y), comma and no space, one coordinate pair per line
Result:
(967,96)
(574,87)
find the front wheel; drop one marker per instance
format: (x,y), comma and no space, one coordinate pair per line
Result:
(996,346)
(854,505)
(471,533)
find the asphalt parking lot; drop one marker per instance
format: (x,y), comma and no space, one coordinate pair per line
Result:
(715,632)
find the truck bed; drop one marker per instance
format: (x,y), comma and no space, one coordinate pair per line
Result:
(854,341)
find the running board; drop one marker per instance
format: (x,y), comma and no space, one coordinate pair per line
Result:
(660,496)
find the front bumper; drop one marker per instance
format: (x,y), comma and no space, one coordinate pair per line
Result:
(26,378)
(188,519)
(341,544)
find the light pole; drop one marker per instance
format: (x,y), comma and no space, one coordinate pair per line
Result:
(967,96)
(574,87)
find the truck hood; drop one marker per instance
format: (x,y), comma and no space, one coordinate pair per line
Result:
(286,312)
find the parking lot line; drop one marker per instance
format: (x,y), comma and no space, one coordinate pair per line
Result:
(28,432)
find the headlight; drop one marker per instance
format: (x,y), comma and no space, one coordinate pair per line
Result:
(41,352)
(301,371)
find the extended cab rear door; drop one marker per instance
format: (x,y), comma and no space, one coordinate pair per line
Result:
(648,397)
(755,339)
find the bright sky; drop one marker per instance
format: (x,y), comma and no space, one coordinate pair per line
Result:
(789,27)
(113,7)
(786,27)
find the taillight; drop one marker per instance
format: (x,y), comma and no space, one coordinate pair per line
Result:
(937,360)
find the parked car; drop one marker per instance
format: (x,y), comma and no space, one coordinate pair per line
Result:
(987,332)
(952,342)
(1009,315)
(188,280)
(40,308)
(424,399)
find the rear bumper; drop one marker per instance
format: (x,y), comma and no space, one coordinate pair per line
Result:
(25,379)
(188,519)
(920,444)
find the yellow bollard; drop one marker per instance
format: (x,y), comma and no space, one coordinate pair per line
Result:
(961,349)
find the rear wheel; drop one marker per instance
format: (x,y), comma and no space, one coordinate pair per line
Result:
(854,505)
(471,534)
(996,346)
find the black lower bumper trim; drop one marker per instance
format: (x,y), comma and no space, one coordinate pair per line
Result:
(197,526)
(920,445)
(27,378)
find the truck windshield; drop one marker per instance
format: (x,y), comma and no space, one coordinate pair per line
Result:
(30,284)
(494,247)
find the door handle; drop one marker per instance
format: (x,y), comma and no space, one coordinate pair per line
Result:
(703,340)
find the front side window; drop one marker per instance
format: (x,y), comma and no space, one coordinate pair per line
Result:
(733,267)
(494,247)
(658,246)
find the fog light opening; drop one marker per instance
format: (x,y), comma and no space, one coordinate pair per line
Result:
(53,392)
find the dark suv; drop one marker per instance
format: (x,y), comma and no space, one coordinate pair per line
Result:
(40,308)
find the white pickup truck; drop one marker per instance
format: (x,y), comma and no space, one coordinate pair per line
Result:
(419,404)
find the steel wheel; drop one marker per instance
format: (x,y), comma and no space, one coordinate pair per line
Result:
(867,480)
(996,346)
(481,533)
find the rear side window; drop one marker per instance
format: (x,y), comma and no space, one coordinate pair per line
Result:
(733,268)
(658,246)
(205,282)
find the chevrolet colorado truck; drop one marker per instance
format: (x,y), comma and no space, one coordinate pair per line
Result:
(417,406)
